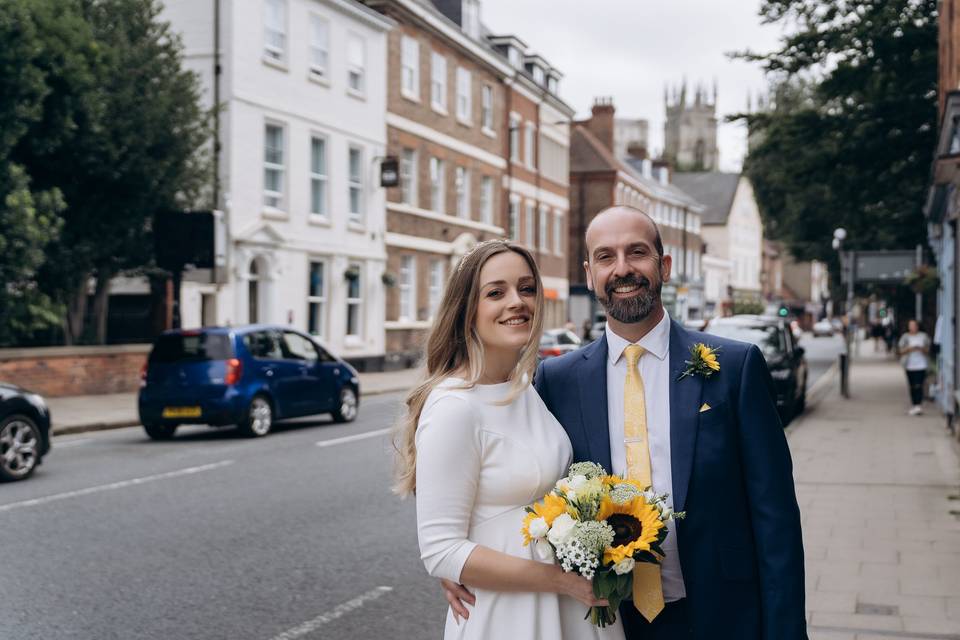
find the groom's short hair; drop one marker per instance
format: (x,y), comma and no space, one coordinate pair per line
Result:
(657,239)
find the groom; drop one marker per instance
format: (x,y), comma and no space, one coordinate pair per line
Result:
(734,566)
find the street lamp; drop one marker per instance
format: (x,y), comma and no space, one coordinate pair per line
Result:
(839,235)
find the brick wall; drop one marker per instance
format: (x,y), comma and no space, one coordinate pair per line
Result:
(74,371)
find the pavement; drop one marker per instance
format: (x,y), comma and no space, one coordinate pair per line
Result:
(79,414)
(878,493)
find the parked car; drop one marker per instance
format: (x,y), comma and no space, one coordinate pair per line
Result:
(24,432)
(556,342)
(249,376)
(822,328)
(785,358)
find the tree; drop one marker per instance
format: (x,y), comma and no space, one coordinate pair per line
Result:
(134,149)
(850,128)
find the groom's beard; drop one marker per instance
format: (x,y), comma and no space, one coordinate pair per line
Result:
(635,309)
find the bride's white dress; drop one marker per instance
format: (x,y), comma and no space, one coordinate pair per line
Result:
(478,465)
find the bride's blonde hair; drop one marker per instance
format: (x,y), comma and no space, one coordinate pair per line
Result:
(453,346)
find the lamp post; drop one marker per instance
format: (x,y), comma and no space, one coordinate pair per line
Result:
(839,235)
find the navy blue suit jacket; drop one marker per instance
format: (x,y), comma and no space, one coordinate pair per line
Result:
(740,546)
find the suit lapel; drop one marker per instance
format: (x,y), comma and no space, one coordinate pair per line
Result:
(592,383)
(684,414)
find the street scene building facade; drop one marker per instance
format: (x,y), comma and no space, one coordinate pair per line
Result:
(302,131)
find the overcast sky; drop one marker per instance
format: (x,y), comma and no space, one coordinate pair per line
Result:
(631,49)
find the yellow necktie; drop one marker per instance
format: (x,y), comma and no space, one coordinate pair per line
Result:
(647,587)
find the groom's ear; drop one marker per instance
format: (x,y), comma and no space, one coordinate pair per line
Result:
(586,268)
(666,265)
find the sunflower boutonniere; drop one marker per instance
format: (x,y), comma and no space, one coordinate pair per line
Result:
(703,361)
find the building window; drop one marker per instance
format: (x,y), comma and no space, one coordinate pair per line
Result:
(486,200)
(410,68)
(538,75)
(470,14)
(319,46)
(554,160)
(542,229)
(317,299)
(355,301)
(408,288)
(513,223)
(318,176)
(486,107)
(356,63)
(528,231)
(513,55)
(438,82)
(464,95)
(436,185)
(355,185)
(273,168)
(558,232)
(462,185)
(529,136)
(408,177)
(552,85)
(514,139)
(436,286)
(275,29)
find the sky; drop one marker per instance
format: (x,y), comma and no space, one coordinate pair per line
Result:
(631,49)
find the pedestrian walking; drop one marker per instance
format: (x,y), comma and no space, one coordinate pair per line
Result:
(913,348)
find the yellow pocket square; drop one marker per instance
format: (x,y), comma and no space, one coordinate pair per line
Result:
(705,407)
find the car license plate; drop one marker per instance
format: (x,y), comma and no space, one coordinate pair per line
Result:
(181,412)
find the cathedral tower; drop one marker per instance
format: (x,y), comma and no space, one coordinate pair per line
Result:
(690,132)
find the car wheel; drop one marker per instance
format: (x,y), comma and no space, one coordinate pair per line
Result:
(19,447)
(346,411)
(801,402)
(259,417)
(160,431)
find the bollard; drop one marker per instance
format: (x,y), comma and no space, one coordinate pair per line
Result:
(844,375)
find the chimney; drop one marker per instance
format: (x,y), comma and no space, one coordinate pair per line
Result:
(637,150)
(600,123)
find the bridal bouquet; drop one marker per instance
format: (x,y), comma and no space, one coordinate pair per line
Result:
(600,526)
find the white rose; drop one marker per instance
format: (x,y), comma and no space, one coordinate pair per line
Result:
(560,531)
(543,549)
(624,566)
(538,528)
(578,482)
(571,495)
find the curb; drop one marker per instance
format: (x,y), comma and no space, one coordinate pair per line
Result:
(122,424)
(824,382)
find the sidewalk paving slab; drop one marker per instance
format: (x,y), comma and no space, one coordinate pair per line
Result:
(881,532)
(78,414)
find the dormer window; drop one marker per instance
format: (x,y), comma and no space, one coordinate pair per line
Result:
(553,85)
(538,75)
(470,18)
(515,58)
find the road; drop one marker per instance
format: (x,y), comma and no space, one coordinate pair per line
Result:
(216,536)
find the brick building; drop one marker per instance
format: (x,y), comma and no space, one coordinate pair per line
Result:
(599,179)
(458,103)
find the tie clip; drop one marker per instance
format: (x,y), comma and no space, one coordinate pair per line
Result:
(634,439)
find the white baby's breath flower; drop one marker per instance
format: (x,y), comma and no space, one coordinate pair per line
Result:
(538,528)
(560,531)
(624,566)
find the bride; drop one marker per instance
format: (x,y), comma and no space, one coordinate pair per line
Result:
(477,445)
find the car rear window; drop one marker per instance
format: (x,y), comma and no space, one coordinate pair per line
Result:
(191,347)
(768,337)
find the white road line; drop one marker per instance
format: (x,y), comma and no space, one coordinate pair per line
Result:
(312,625)
(113,485)
(359,436)
(70,443)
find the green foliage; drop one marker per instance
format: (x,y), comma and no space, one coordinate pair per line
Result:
(28,223)
(847,138)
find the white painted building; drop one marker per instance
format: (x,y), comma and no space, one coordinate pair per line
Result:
(302,129)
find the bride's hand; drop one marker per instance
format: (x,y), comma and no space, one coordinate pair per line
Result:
(576,586)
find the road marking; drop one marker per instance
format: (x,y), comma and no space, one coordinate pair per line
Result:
(312,625)
(113,485)
(359,436)
(71,443)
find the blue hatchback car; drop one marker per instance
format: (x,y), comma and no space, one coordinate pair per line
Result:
(248,376)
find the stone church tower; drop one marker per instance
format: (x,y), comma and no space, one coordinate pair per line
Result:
(690,132)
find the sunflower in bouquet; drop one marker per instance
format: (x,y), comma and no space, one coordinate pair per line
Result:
(600,526)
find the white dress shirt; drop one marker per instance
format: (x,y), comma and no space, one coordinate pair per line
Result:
(655,370)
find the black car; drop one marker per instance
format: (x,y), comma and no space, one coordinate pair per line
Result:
(24,432)
(785,358)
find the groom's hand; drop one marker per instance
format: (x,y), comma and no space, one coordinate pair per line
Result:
(457,595)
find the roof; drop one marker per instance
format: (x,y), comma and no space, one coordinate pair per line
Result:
(714,189)
(589,154)
(668,190)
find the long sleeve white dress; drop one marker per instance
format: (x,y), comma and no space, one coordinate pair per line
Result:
(478,465)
